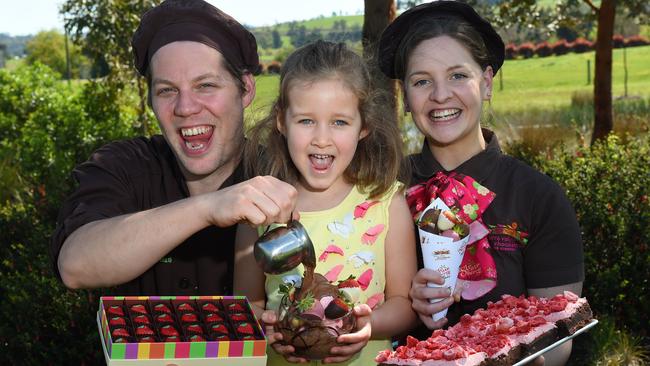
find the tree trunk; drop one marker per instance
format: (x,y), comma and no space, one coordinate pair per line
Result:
(604,119)
(377,15)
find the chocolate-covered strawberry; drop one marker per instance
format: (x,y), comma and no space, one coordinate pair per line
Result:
(117,321)
(194,329)
(115,310)
(245,328)
(144,330)
(168,331)
(120,332)
(350,289)
(142,319)
(219,328)
(139,309)
(189,318)
(161,309)
(185,307)
(336,309)
(164,318)
(213,318)
(209,307)
(428,221)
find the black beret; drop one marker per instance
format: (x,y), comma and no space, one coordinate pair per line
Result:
(395,32)
(198,21)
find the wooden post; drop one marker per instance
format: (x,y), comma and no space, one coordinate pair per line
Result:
(588,72)
(501,79)
(67,58)
(625,68)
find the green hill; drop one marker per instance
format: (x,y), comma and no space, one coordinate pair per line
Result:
(324,23)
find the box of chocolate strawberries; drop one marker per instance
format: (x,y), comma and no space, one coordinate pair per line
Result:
(180,330)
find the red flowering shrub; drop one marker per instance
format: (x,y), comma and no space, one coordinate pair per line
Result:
(618,40)
(511,51)
(581,45)
(273,68)
(543,49)
(634,41)
(560,47)
(526,50)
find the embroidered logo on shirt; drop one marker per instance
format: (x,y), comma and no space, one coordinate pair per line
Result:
(166,260)
(507,237)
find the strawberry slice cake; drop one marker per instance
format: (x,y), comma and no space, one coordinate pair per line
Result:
(501,334)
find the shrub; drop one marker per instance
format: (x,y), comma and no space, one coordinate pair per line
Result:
(560,47)
(634,41)
(608,345)
(526,50)
(618,41)
(608,186)
(511,51)
(581,45)
(274,68)
(543,49)
(41,323)
(46,128)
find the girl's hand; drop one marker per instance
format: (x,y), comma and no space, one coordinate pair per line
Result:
(354,341)
(269,318)
(420,294)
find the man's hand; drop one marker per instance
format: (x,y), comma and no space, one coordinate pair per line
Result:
(420,294)
(354,342)
(257,201)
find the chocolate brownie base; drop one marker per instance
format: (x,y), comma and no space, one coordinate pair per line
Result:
(579,319)
(539,343)
(508,359)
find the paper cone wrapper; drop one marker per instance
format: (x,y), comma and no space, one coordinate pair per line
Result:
(443,255)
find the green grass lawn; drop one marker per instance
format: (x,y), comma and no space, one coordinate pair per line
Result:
(536,83)
(550,81)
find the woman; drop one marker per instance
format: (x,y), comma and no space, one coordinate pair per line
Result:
(445,57)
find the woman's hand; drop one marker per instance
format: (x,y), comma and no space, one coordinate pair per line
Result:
(420,294)
(354,342)
(269,318)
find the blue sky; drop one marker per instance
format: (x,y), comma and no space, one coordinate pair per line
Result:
(22,17)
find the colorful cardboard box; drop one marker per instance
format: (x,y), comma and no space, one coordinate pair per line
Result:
(231,352)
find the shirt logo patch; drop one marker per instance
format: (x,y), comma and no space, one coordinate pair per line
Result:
(506,237)
(166,260)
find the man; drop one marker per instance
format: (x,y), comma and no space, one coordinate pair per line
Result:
(157,216)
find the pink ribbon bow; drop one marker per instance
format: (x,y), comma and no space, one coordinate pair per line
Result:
(477,270)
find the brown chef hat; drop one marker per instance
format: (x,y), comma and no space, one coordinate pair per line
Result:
(193,20)
(400,27)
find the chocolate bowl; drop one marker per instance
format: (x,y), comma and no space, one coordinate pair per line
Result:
(309,331)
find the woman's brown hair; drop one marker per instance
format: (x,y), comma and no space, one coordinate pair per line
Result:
(376,162)
(432,26)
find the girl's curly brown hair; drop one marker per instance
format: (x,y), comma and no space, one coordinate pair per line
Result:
(376,164)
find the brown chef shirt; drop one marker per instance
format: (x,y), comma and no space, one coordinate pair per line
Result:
(139,174)
(534,234)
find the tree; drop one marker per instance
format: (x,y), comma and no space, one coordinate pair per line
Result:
(525,12)
(48,47)
(277,40)
(377,15)
(606,13)
(104,30)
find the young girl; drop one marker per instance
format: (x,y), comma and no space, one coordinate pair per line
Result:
(329,137)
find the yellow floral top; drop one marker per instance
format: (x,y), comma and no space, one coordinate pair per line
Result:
(348,240)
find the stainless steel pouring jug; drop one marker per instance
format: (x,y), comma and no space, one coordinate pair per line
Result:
(284,248)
